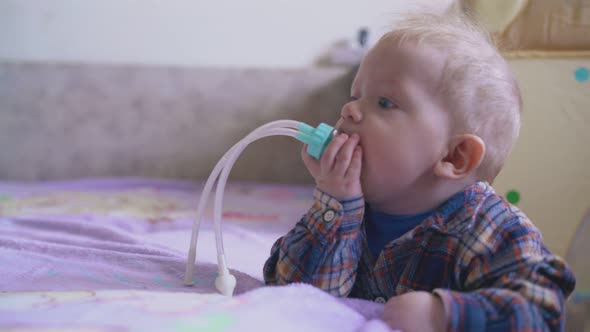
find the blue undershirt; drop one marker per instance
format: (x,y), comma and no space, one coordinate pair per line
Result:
(383,228)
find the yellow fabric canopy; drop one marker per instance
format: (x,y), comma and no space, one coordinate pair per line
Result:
(541,25)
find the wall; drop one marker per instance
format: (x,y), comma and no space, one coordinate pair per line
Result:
(549,165)
(255,33)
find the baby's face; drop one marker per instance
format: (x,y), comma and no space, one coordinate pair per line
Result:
(403,126)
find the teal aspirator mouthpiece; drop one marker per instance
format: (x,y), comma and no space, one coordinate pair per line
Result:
(317,139)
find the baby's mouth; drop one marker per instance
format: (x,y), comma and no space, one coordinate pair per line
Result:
(338,131)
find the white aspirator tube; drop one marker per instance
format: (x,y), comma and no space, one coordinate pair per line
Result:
(317,139)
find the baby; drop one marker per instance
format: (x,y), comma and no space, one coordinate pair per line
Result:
(404,213)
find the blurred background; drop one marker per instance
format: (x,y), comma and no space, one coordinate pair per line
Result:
(163,88)
(253,34)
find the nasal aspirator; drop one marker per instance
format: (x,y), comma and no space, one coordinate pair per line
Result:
(317,139)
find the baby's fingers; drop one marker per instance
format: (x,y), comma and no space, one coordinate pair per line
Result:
(344,156)
(327,160)
(354,169)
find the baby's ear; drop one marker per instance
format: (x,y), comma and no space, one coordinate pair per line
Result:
(465,154)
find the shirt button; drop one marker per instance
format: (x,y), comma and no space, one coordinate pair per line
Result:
(329,215)
(380,300)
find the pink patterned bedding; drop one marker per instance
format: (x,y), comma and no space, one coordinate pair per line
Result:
(149,205)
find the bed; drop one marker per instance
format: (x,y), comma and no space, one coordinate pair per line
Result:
(109,254)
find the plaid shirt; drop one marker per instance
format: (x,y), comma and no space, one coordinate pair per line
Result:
(480,255)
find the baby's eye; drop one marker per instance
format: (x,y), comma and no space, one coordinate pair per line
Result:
(352,98)
(386,103)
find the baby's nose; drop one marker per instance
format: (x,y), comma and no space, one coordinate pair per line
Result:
(351,111)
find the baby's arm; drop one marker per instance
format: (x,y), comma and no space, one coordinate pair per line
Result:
(325,246)
(323,249)
(511,283)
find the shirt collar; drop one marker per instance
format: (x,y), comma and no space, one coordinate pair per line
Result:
(469,196)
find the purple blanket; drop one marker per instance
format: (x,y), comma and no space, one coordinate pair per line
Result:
(61,254)
(53,249)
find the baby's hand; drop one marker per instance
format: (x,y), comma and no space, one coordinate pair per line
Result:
(338,172)
(415,311)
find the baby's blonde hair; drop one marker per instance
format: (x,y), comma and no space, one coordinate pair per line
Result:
(483,92)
